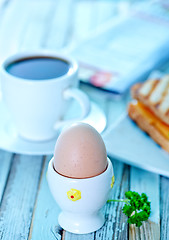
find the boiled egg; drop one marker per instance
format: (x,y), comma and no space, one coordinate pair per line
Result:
(80,152)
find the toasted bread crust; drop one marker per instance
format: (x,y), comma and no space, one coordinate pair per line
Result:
(135,92)
(147,127)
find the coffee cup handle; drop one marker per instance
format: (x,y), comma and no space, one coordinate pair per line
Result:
(82,99)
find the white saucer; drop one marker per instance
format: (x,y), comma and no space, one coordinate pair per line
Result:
(10,140)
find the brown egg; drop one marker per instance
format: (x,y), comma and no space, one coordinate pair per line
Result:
(80,152)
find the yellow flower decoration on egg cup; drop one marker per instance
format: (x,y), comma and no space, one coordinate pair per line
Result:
(112,181)
(74,194)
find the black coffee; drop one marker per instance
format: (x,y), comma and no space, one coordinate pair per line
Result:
(38,68)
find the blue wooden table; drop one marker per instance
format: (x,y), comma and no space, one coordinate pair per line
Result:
(27,208)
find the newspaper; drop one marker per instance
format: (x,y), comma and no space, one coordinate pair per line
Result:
(123,53)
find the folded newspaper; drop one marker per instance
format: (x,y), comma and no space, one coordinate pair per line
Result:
(123,53)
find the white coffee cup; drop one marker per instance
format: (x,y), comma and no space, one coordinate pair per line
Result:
(38,106)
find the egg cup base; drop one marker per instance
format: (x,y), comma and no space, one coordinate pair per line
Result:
(81,215)
(79,223)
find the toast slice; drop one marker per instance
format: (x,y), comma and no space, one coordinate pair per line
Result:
(151,109)
(154,93)
(157,130)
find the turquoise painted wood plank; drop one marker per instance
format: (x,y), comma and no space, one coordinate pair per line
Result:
(164,208)
(115,226)
(5,164)
(71,236)
(19,197)
(143,181)
(44,223)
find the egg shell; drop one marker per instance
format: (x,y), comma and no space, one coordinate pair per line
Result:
(80,152)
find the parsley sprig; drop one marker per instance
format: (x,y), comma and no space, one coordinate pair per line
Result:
(137,207)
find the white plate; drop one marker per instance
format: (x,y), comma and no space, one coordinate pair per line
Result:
(10,141)
(126,142)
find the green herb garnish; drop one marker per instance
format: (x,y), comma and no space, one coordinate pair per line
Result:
(137,207)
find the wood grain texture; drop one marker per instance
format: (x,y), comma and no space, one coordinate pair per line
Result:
(71,236)
(117,227)
(28,210)
(143,181)
(164,208)
(5,164)
(148,231)
(44,224)
(19,197)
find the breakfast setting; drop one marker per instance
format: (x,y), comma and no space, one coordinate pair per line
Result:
(84,120)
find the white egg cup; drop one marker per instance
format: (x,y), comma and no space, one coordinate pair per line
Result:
(80,199)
